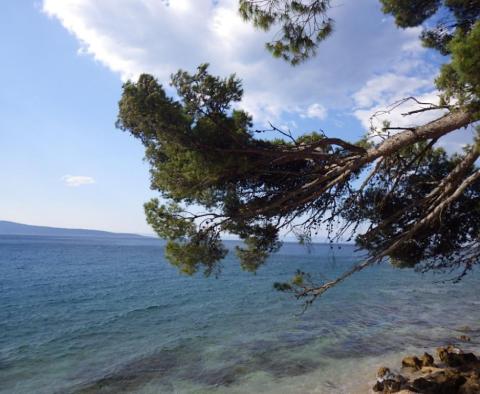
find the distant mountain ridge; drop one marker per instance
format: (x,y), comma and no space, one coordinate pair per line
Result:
(12,228)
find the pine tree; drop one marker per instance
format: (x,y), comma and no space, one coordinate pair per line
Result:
(418,206)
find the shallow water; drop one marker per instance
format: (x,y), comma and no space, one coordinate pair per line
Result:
(92,315)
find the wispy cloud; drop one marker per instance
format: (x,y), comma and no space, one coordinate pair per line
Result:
(77,180)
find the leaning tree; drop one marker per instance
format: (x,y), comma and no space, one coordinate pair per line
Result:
(400,196)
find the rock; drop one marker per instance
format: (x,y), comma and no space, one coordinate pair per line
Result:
(378,387)
(460,375)
(427,360)
(442,353)
(464,338)
(454,357)
(382,372)
(449,381)
(470,358)
(392,386)
(454,349)
(430,370)
(388,382)
(471,386)
(445,382)
(423,385)
(412,362)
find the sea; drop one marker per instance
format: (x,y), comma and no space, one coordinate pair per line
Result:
(110,315)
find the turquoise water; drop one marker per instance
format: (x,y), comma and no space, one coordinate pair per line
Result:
(92,315)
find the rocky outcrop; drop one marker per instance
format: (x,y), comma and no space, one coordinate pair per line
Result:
(454,357)
(412,362)
(456,372)
(427,360)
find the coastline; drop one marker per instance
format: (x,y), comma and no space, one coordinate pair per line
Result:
(80,314)
(451,371)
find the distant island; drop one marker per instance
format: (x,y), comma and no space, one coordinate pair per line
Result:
(12,228)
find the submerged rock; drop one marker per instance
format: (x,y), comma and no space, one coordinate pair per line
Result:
(459,374)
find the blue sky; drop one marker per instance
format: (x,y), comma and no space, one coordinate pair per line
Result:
(57,118)
(62,66)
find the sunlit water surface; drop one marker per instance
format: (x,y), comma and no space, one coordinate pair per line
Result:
(92,315)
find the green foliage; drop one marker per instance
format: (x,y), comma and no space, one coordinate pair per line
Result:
(203,250)
(453,16)
(203,152)
(192,148)
(297,284)
(258,245)
(297,279)
(391,211)
(187,248)
(282,286)
(203,94)
(303,25)
(187,142)
(167,221)
(410,13)
(455,32)
(452,30)
(460,79)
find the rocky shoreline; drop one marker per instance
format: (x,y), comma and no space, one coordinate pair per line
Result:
(454,371)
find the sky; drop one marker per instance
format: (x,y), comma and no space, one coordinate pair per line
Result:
(63,163)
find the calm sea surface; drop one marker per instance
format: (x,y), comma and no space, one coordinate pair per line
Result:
(93,315)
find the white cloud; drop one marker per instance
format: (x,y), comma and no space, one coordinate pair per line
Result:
(315,111)
(389,96)
(388,88)
(134,36)
(413,44)
(381,95)
(386,98)
(77,180)
(374,116)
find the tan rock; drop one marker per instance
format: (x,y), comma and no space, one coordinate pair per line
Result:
(455,357)
(447,382)
(427,360)
(412,362)
(461,375)
(391,386)
(378,387)
(382,371)
(430,370)
(471,386)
